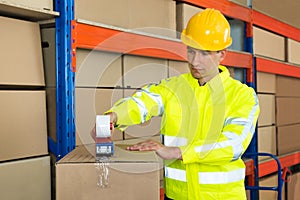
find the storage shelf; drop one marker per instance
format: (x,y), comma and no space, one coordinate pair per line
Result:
(276,26)
(269,167)
(121,41)
(228,8)
(20,11)
(277,67)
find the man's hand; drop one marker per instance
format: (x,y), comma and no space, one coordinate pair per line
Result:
(162,151)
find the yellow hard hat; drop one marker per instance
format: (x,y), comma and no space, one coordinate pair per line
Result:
(207,30)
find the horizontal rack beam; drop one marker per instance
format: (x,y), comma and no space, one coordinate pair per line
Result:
(99,38)
(269,167)
(276,26)
(277,67)
(228,8)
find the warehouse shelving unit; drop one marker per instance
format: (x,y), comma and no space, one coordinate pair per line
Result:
(72,34)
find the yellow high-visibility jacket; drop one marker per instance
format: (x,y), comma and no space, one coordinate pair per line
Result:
(211,124)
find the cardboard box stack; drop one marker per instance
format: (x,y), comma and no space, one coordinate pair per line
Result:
(24,160)
(132,175)
(266,89)
(288,115)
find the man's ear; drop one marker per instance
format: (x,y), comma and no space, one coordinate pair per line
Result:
(222,54)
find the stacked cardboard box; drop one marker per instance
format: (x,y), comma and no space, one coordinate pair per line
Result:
(142,15)
(270,181)
(285,11)
(266,120)
(288,117)
(132,175)
(23,132)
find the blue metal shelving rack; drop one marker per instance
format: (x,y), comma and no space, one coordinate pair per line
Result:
(65,78)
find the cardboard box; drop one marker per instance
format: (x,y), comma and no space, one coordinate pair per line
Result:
(293,49)
(267,109)
(21,57)
(288,139)
(98,69)
(49,55)
(39,5)
(131,14)
(140,71)
(183,14)
(132,175)
(285,11)
(90,102)
(268,44)
(23,124)
(177,67)
(26,179)
(266,82)
(293,186)
(287,110)
(270,181)
(51,112)
(287,86)
(240,2)
(267,140)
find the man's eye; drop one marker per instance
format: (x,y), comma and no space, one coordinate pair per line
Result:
(204,53)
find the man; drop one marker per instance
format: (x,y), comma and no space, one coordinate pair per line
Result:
(208,118)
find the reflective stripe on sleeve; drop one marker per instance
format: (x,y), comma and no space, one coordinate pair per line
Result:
(176,174)
(142,108)
(174,141)
(156,98)
(234,140)
(221,177)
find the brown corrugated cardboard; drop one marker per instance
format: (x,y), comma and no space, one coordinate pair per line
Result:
(39,5)
(90,102)
(21,57)
(286,11)
(270,181)
(26,179)
(267,140)
(183,14)
(147,129)
(51,112)
(139,71)
(154,16)
(288,139)
(293,49)
(98,69)
(240,2)
(48,39)
(287,86)
(267,109)
(287,110)
(132,175)
(293,192)
(266,82)
(177,67)
(23,124)
(268,44)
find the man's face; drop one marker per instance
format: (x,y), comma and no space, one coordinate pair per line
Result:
(204,64)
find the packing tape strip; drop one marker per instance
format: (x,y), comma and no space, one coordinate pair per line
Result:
(103,126)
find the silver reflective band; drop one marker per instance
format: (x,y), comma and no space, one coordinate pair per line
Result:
(176,174)
(157,98)
(207,177)
(142,108)
(221,177)
(174,141)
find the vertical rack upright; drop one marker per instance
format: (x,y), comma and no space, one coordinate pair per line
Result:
(65,78)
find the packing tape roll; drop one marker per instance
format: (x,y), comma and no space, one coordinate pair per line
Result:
(103,126)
